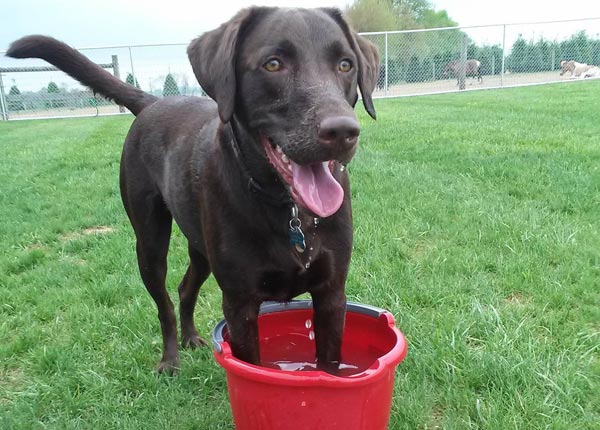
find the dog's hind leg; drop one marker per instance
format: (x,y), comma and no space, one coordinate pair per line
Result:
(153,236)
(152,221)
(195,276)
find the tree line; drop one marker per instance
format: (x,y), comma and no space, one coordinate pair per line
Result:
(427,63)
(544,55)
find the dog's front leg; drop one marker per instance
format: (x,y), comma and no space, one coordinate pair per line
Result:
(241,314)
(329,305)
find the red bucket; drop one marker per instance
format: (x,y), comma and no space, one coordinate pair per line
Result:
(269,398)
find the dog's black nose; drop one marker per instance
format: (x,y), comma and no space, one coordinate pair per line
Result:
(340,131)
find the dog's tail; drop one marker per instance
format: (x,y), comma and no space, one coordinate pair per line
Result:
(81,68)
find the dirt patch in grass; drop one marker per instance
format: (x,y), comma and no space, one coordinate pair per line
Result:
(10,380)
(74,260)
(37,246)
(99,230)
(515,299)
(436,418)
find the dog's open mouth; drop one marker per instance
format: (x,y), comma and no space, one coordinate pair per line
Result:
(312,186)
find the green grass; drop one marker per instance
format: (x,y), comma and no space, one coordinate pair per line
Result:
(477,223)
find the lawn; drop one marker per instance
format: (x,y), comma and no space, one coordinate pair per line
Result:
(477,224)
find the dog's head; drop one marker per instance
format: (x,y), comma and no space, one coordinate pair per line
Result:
(292,76)
(566,66)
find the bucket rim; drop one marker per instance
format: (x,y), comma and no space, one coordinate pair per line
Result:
(272,307)
(381,367)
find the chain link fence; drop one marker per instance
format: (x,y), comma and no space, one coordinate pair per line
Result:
(412,63)
(31,89)
(494,56)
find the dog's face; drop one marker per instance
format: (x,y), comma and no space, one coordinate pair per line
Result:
(292,77)
(294,70)
(566,66)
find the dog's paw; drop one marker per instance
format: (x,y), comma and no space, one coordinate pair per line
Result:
(168,367)
(193,341)
(331,367)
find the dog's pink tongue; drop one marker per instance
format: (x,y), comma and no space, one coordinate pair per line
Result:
(317,188)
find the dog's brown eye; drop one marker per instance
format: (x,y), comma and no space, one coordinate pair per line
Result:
(273,65)
(345,66)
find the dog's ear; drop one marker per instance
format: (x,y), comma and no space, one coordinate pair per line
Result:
(212,57)
(367,56)
(368,72)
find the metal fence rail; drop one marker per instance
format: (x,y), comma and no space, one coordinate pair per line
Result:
(412,62)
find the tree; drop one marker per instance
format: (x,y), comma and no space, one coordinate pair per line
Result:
(15,102)
(386,15)
(415,71)
(53,88)
(55,101)
(490,57)
(371,15)
(436,19)
(578,48)
(130,80)
(170,87)
(518,56)
(410,13)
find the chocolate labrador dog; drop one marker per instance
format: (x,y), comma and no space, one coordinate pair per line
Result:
(256,181)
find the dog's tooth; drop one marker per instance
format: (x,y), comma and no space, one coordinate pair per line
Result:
(278,148)
(284,158)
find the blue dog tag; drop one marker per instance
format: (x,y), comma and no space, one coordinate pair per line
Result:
(297,238)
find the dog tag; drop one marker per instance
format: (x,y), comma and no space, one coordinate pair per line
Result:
(297,238)
(296,233)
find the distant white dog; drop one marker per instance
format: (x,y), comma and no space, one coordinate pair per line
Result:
(577,70)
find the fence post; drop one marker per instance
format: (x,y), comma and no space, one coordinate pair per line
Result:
(386,65)
(463,63)
(503,55)
(2,101)
(131,62)
(115,63)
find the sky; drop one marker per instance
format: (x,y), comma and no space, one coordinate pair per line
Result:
(517,11)
(85,23)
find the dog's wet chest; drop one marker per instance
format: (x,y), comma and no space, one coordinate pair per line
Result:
(294,273)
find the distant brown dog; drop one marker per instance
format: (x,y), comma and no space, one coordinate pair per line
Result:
(257,180)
